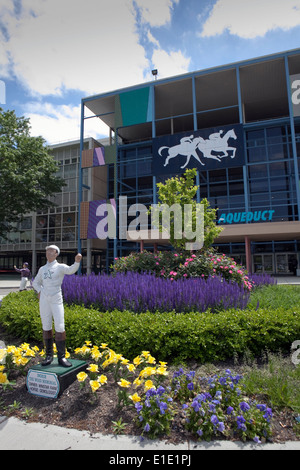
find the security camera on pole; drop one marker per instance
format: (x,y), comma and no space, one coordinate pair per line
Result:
(48,286)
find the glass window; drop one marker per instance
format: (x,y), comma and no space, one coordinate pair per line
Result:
(255,138)
(70,171)
(42,221)
(256,154)
(279,169)
(258,171)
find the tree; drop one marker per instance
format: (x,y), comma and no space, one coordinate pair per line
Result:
(27,171)
(181,191)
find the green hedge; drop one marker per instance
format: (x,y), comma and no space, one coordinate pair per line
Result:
(204,337)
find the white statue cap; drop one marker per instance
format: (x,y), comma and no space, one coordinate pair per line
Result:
(54,247)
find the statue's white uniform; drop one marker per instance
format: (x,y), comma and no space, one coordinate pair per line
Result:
(48,283)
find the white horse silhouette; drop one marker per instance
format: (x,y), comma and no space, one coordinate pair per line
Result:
(188,147)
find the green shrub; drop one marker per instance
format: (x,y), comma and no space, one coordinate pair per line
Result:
(204,337)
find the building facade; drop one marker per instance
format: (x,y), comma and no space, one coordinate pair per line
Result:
(238,125)
(59,224)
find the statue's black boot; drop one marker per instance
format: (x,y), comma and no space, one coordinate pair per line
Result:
(61,349)
(49,351)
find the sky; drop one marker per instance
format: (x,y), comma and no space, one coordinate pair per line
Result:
(53,53)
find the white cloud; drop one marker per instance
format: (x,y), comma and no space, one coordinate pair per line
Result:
(156,12)
(61,123)
(90,45)
(250,19)
(168,64)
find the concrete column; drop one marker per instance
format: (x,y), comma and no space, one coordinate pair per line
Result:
(248,254)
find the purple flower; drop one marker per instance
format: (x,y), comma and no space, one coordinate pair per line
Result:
(214,420)
(268,415)
(138,407)
(257,440)
(200,432)
(261,407)
(147,427)
(244,406)
(241,423)
(196,406)
(190,386)
(229,410)
(221,426)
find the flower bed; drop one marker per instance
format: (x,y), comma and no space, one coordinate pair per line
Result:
(146,292)
(174,266)
(206,407)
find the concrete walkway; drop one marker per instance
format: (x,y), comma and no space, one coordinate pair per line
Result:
(20,435)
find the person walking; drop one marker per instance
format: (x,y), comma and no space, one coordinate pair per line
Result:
(25,274)
(47,284)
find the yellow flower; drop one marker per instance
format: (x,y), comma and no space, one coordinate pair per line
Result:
(94,385)
(124,383)
(67,354)
(131,367)
(137,382)
(124,361)
(147,371)
(30,352)
(106,363)
(95,353)
(20,360)
(161,371)
(135,398)
(88,343)
(3,353)
(2,368)
(25,346)
(102,379)
(36,348)
(149,384)
(137,360)
(93,368)
(77,350)
(85,350)
(81,376)
(103,345)
(151,360)
(3,378)
(11,349)
(145,354)
(163,363)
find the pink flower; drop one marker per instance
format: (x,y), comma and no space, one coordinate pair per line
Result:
(186,263)
(193,256)
(156,263)
(230,271)
(175,254)
(185,275)
(174,273)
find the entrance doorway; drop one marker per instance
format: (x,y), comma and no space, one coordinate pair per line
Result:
(286,263)
(263,263)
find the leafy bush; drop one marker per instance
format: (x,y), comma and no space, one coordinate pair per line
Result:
(174,266)
(145,292)
(204,337)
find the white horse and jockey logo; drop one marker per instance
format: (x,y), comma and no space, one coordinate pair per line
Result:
(188,147)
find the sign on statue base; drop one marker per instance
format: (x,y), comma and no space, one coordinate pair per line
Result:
(50,381)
